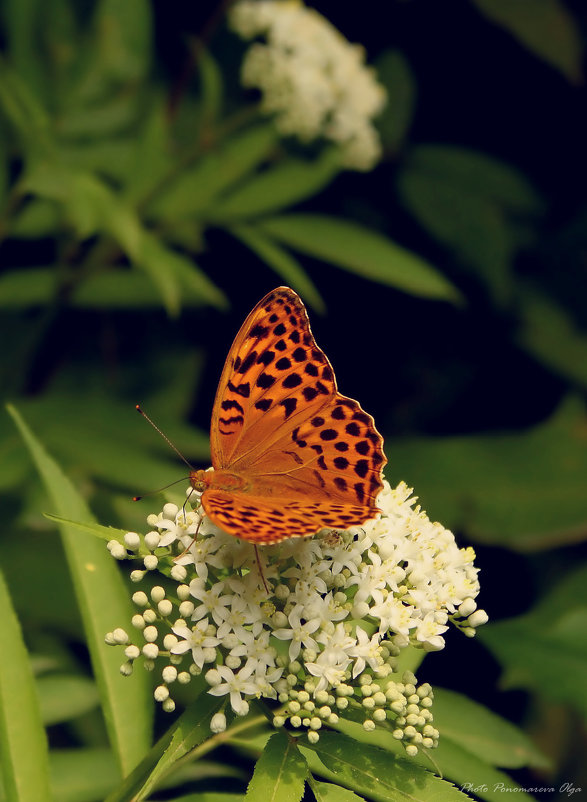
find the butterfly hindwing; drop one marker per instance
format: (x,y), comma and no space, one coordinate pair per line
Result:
(263,520)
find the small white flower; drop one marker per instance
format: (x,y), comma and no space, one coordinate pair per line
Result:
(311,78)
(366,651)
(299,634)
(195,639)
(235,685)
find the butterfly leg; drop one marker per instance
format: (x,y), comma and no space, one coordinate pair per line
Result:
(261,574)
(195,537)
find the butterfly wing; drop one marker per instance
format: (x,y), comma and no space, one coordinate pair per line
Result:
(271,520)
(279,420)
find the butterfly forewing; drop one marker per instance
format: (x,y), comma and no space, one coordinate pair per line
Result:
(274,376)
(311,457)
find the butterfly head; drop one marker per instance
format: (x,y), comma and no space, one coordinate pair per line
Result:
(200,480)
(217,480)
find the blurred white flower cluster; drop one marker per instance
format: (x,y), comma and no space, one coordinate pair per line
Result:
(311,77)
(317,627)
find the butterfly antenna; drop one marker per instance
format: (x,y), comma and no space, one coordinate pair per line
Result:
(153,492)
(164,436)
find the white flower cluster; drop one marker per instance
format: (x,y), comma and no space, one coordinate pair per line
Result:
(311,77)
(315,624)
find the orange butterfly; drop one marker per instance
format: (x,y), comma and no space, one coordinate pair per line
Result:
(290,455)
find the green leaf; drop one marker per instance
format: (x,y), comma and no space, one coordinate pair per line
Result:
(545,27)
(23,109)
(151,148)
(82,775)
(128,289)
(194,188)
(520,491)
(164,264)
(393,71)
(211,796)
(64,697)
(190,730)
(23,745)
(104,117)
(104,532)
(280,772)
(327,792)
(94,208)
(482,733)
(211,84)
(544,650)
(375,772)
(550,336)
(109,158)
(471,203)
(278,187)
(21,289)
(37,218)
(104,604)
(20,18)
(450,759)
(124,32)
(284,264)
(361,251)
(473,774)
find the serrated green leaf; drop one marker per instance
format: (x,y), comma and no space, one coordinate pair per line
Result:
(328,792)
(280,773)
(482,733)
(23,745)
(104,604)
(375,772)
(473,775)
(211,796)
(278,187)
(284,264)
(393,71)
(195,187)
(522,491)
(545,27)
(361,251)
(64,697)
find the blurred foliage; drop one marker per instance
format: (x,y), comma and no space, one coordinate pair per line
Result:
(145,206)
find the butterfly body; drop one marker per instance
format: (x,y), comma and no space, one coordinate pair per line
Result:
(290,454)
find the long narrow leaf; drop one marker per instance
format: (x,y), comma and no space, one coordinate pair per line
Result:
(23,746)
(284,264)
(104,604)
(361,251)
(191,729)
